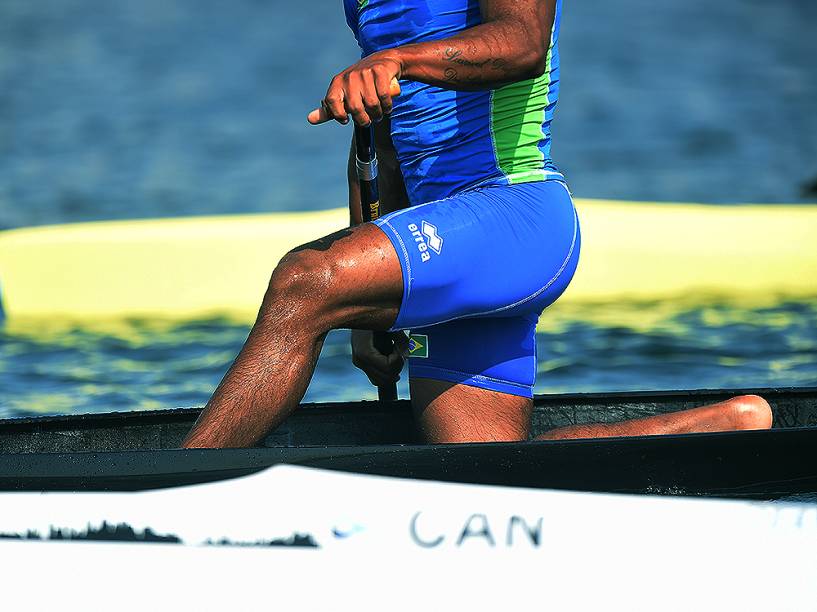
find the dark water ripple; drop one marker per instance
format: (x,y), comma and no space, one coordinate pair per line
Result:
(144,364)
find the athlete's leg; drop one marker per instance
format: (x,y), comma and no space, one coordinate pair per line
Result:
(472,379)
(349,279)
(743,412)
(450,412)
(482,266)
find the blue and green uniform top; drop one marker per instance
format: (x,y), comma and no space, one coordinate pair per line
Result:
(449,141)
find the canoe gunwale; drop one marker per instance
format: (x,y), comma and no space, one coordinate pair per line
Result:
(187,413)
(99,451)
(746,464)
(367,423)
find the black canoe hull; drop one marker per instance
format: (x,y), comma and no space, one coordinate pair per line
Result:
(369,423)
(762,465)
(132,451)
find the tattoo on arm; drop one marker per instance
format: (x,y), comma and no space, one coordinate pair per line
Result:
(509,45)
(451,75)
(454,56)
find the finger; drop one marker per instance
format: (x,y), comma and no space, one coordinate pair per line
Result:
(394,361)
(370,360)
(353,100)
(401,343)
(379,380)
(394,88)
(377,375)
(318,116)
(387,355)
(385,367)
(383,85)
(334,102)
(374,362)
(354,106)
(322,114)
(369,95)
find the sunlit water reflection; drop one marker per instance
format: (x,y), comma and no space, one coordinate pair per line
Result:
(60,367)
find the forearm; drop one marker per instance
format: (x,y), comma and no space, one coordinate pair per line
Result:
(510,45)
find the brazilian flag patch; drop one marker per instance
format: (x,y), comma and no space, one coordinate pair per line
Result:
(418,345)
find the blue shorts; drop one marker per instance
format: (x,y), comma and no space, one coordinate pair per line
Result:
(478,269)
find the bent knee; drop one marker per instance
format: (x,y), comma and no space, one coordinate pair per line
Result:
(301,272)
(299,283)
(752,412)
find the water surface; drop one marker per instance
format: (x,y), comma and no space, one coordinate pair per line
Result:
(158,108)
(123,109)
(142,364)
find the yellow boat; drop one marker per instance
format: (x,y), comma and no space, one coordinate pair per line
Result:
(199,266)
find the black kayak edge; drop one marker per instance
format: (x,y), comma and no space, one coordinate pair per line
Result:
(370,422)
(749,464)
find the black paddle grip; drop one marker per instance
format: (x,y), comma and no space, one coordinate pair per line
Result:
(366,164)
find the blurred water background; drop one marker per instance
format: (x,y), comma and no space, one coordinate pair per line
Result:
(186,107)
(61,367)
(178,107)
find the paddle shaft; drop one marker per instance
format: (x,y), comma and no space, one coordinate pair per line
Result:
(366,165)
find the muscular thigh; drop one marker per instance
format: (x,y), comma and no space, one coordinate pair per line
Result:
(472,379)
(451,412)
(354,274)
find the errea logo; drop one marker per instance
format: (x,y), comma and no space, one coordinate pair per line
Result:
(426,237)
